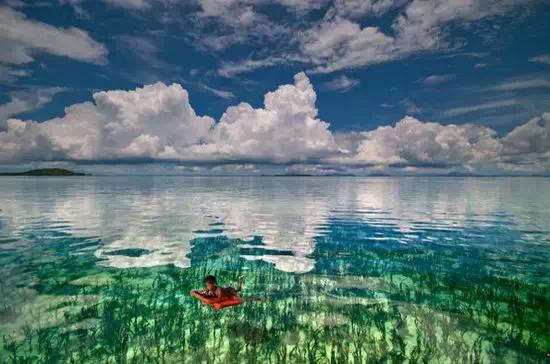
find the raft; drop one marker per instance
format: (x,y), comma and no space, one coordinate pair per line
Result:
(231,301)
(226,302)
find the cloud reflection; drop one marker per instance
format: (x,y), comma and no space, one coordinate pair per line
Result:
(160,216)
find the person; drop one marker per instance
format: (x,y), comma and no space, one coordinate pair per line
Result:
(212,293)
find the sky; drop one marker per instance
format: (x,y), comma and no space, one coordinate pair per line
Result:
(398,87)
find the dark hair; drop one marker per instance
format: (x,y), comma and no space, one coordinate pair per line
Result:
(210,279)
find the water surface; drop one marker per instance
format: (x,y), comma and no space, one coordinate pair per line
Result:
(97,269)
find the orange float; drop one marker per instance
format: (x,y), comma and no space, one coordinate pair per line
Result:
(231,301)
(218,305)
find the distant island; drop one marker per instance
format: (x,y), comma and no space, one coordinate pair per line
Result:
(45,172)
(310,175)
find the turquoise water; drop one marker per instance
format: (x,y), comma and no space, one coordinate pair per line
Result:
(358,270)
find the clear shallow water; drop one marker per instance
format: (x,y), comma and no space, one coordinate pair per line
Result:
(97,269)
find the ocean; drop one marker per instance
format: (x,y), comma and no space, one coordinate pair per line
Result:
(98,269)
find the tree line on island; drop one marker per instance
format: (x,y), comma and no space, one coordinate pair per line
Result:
(45,172)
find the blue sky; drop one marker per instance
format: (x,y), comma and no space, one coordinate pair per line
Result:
(389,86)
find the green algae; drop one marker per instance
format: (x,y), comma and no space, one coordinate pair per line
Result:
(372,304)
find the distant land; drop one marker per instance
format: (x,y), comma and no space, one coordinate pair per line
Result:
(66,172)
(45,172)
(310,175)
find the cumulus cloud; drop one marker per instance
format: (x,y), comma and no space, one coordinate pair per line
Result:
(150,122)
(415,144)
(21,38)
(158,123)
(529,144)
(412,142)
(285,130)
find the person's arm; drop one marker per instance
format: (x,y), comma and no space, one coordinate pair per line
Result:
(207,300)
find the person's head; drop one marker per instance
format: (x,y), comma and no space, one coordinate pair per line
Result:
(210,282)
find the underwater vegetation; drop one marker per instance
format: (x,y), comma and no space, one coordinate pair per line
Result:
(366,301)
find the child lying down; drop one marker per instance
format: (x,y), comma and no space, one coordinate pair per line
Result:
(214,294)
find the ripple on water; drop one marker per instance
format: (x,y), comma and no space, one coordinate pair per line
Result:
(377,268)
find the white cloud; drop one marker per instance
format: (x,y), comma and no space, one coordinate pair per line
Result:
(242,21)
(232,12)
(157,123)
(521,84)
(230,69)
(338,43)
(485,106)
(143,47)
(529,144)
(10,74)
(410,106)
(421,25)
(341,84)
(220,93)
(150,122)
(24,101)
(359,8)
(543,58)
(130,4)
(481,65)
(243,12)
(436,79)
(78,5)
(285,130)
(412,143)
(340,40)
(302,6)
(415,143)
(21,38)
(230,22)
(218,42)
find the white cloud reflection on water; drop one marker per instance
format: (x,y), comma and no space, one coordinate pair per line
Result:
(161,215)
